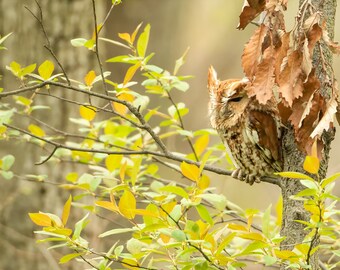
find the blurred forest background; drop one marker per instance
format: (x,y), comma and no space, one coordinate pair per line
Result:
(207,27)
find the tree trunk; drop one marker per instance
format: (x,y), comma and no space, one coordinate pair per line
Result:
(63,20)
(293,158)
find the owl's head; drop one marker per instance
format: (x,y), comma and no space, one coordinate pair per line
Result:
(228,100)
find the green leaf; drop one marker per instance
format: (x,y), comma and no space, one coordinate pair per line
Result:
(175,190)
(181,86)
(27,70)
(225,242)
(3,39)
(306,192)
(92,181)
(217,200)
(69,257)
(254,246)
(325,182)
(269,260)
(7,162)
(117,231)
(7,175)
(204,214)
(309,184)
(266,222)
(123,59)
(178,235)
(78,42)
(143,41)
(6,115)
(180,62)
(80,225)
(46,69)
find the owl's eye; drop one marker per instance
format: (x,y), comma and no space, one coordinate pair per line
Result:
(236,99)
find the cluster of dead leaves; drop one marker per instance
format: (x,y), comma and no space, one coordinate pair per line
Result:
(280,64)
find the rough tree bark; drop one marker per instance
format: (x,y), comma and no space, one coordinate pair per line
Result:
(292,209)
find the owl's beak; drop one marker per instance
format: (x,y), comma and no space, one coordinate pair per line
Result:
(212,78)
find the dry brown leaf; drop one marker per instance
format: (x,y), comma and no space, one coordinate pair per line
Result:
(282,52)
(252,51)
(337,98)
(327,119)
(315,18)
(250,10)
(306,65)
(334,46)
(262,87)
(303,138)
(285,112)
(303,106)
(314,35)
(290,80)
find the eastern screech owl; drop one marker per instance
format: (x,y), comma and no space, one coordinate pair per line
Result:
(251,130)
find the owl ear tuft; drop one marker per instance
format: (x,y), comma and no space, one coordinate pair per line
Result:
(212,78)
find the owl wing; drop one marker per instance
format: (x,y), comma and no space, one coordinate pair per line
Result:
(265,130)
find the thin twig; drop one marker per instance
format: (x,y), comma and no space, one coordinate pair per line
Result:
(48,46)
(96,50)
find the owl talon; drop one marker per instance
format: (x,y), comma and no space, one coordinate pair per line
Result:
(238,174)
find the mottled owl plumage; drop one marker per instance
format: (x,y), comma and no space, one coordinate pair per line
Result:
(251,130)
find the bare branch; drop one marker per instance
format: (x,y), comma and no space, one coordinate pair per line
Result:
(96,50)
(48,46)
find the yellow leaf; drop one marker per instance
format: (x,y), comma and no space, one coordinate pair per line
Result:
(87,112)
(201,144)
(204,182)
(113,162)
(2,129)
(46,69)
(89,78)
(134,34)
(313,209)
(127,205)
(165,238)
(35,130)
(284,254)
(311,164)
(108,205)
(61,231)
(122,171)
(125,36)
(237,227)
(131,72)
(121,108)
(279,210)
(66,211)
(295,175)
(144,212)
(253,236)
(40,219)
(190,171)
